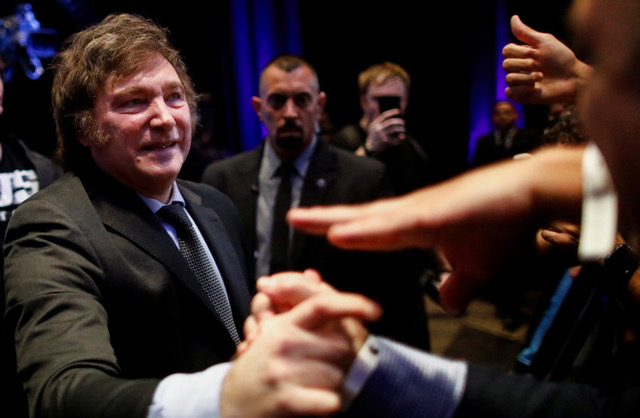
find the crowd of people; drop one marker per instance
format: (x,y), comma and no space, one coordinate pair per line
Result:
(288,281)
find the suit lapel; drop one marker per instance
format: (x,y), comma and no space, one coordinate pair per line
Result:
(246,194)
(122,211)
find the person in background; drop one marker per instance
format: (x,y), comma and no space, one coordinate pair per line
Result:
(507,139)
(290,104)
(381,132)
(22,173)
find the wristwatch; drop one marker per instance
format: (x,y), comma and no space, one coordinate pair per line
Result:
(621,264)
(619,267)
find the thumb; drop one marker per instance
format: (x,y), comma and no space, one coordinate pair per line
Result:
(316,311)
(524,33)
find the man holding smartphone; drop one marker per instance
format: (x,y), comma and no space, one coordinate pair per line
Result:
(381,132)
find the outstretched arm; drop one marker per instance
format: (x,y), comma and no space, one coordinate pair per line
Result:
(479,221)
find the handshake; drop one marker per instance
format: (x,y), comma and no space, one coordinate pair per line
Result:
(300,342)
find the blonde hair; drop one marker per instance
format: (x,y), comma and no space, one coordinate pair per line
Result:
(379,73)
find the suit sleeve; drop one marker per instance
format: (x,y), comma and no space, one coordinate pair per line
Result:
(54,304)
(499,394)
(409,383)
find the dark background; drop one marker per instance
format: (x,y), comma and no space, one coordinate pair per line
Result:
(436,42)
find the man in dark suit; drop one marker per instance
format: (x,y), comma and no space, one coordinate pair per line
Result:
(290,105)
(507,139)
(105,292)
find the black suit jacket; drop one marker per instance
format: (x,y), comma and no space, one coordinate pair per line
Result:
(398,385)
(488,151)
(96,295)
(336,176)
(494,393)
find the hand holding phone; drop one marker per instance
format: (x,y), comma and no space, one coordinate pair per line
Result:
(384,131)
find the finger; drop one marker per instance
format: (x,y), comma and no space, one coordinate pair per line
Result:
(389,114)
(318,220)
(308,275)
(379,232)
(516,79)
(558,238)
(251,328)
(309,371)
(566,227)
(318,310)
(262,307)
(513,65)
(312,274)
(391,123)
(523,93)
(241,348)
(514,51)
(524,33)
(289,290)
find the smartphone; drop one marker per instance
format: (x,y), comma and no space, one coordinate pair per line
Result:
(388,102)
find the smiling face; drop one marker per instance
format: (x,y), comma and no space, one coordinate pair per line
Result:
(290,107)
(146,122)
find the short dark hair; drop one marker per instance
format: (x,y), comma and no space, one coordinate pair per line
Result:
(288,63)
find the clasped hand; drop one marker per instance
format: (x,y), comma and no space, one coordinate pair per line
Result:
(300,341)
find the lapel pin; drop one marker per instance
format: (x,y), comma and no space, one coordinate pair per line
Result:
(321,183)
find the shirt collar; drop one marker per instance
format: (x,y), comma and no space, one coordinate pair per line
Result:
(271,161)
(155,205)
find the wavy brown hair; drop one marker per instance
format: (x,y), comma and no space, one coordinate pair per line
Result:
(112,50)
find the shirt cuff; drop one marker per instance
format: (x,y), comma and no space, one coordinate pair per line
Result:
(599,207)
(195,395)
(365,362)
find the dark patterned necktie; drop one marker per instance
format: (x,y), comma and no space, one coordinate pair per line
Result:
(280,228)
(196,257)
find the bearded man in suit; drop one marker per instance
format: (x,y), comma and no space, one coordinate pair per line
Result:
(290,105)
